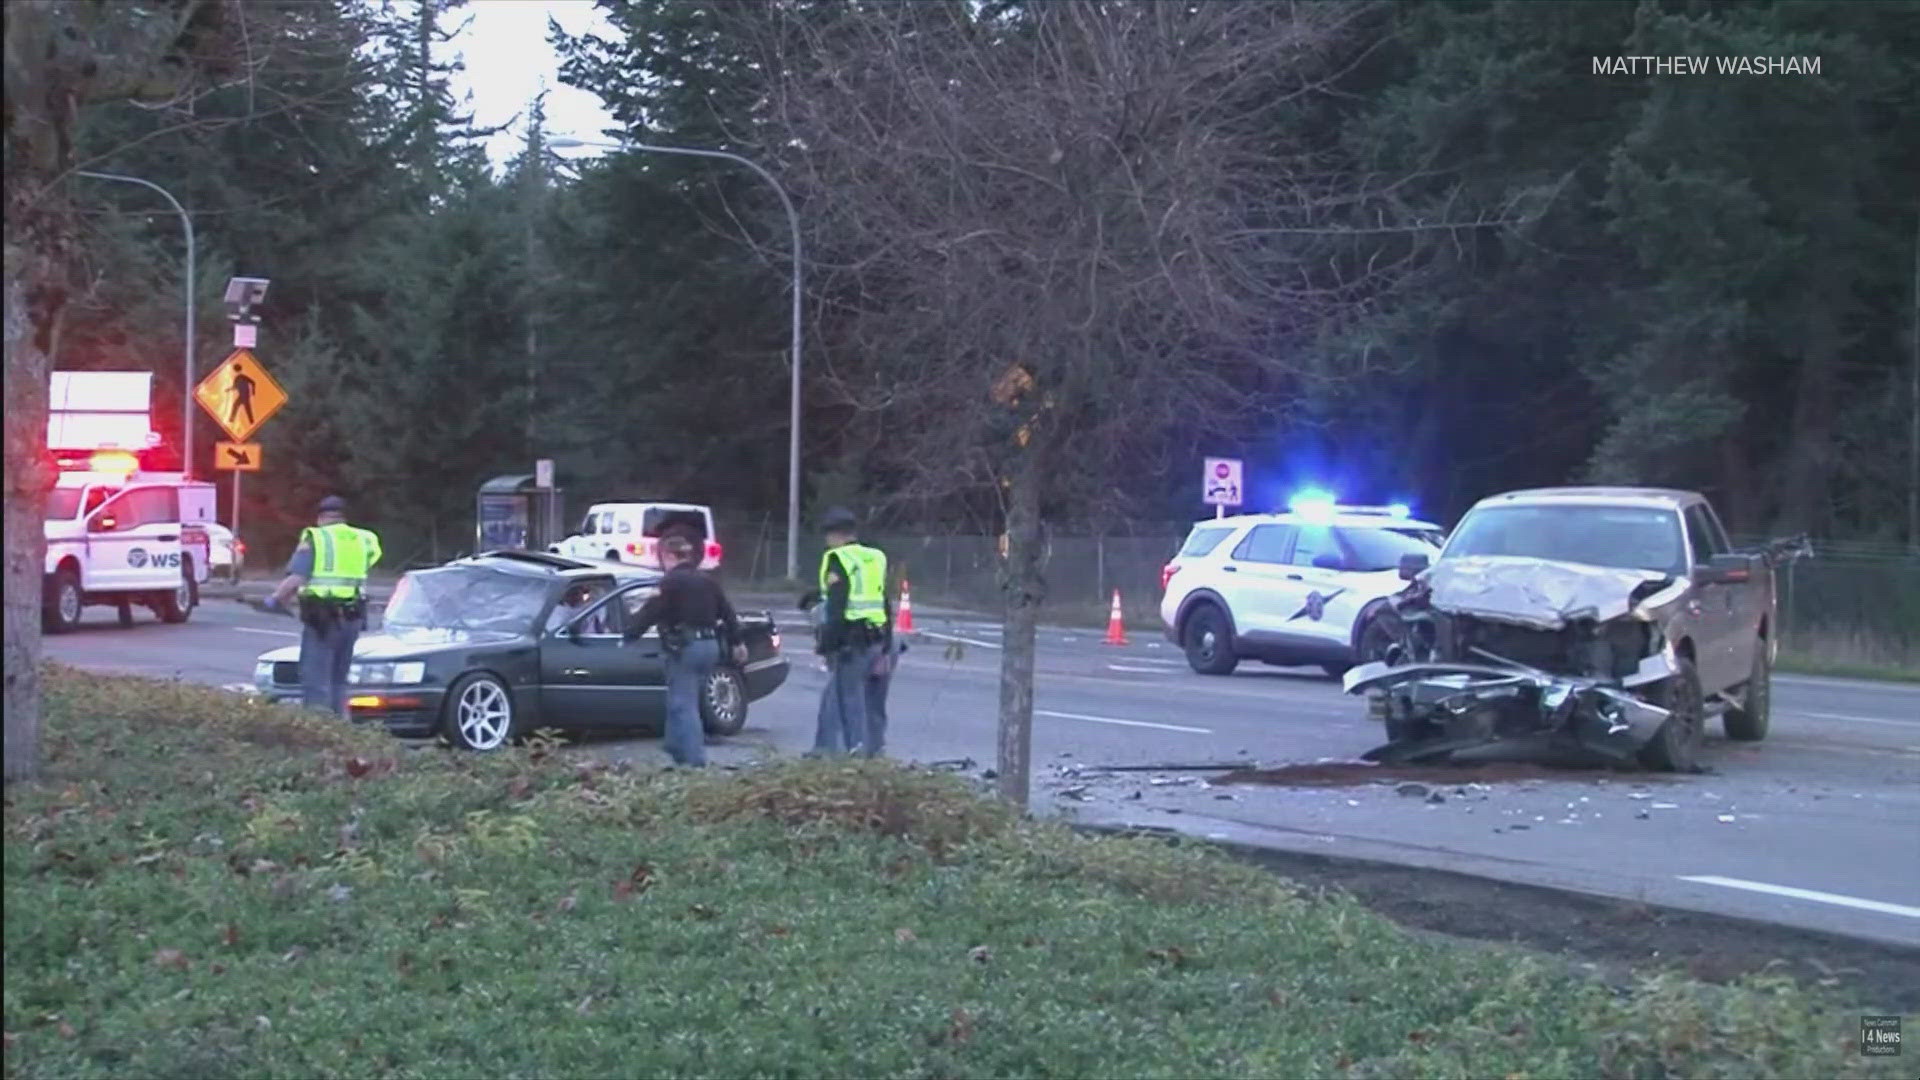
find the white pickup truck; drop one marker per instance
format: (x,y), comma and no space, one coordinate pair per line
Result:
(125,539)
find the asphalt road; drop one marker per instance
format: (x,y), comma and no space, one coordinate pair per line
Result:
(1819,826)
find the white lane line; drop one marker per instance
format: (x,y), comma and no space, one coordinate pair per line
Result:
(257,630)
(937,636)
(1121,723)
(1853,719)
(1139,670)
(1806,894)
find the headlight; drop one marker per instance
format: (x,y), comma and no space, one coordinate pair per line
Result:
(405,673)
(263,673)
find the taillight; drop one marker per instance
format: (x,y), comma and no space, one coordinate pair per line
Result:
(1166,574)
(776,641)
(713,551)
(636,549)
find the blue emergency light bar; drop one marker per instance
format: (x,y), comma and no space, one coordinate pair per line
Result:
(1315,503)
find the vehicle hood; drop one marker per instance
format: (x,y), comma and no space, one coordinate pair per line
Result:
(1543,594)
(405,644)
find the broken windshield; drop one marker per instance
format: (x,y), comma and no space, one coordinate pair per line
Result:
(466,598)
(1618,537)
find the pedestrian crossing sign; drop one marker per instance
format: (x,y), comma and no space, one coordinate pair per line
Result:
(239,395)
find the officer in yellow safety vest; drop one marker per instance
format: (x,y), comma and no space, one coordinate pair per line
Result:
(329,572)
(853,634)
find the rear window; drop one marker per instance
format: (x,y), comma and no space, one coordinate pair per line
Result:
(1203,541)
(691,524)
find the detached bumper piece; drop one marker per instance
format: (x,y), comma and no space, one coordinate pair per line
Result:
(1459,713)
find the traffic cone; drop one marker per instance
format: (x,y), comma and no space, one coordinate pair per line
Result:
(905,623)
(1116,630)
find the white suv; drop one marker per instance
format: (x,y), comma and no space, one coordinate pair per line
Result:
(1303,587)
(631,532)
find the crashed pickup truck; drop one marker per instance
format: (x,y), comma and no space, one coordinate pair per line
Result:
(1583,623)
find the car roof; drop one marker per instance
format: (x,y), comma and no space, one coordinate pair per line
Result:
(1663,498)
(1344,517)
(599,507)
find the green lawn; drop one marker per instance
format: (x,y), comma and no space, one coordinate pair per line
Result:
(203,887)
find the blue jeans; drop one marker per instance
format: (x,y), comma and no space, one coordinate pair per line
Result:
(842,726)
(687,673)
(325,657)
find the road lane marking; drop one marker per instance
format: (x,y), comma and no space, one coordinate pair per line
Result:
(937,636)
(1880,906)
(1139,670)
(1854,719)
(258,630)
(1121,723)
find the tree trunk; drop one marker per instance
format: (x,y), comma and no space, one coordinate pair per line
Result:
(1024,586)
(25,506)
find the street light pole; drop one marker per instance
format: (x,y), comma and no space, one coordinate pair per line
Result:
(793,408)
(186,359)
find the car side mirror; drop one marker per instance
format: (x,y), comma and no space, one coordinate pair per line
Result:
(1724,570)
(1412,565)
(1329,561)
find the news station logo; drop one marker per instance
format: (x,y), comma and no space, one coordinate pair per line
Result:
(1880,1036)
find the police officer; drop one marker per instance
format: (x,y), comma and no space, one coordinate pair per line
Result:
(329,572)
(854,632)
(879,681)
(695,622)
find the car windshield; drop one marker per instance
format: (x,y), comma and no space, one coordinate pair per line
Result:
(1620,537)
(1380,549)
(466,598)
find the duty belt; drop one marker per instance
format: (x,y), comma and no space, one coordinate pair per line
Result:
(694,635)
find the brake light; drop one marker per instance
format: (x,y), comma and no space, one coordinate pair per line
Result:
(713,551)
(636,549)
(1166,574)
(776,641)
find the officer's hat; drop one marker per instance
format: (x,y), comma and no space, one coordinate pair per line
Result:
(333,504)
(839,519)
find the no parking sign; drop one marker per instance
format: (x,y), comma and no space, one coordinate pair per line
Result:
(1220,482)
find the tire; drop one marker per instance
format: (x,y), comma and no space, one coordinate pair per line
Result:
(1676,745)
(479,713)
(1374,638)
(177,606)
(613,556)
(1750,721)
(723,702)
(126,614)
(1208,640)
(64,602)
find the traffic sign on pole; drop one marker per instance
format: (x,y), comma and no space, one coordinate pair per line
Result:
(543,473)
(237,457)
(1220,483)
(239,395)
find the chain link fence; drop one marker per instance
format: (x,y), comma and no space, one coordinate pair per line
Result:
(1861,596)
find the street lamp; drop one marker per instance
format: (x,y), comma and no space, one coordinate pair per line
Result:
(186,360)
(793,418)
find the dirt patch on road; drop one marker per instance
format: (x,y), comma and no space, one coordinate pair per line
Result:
(1618,938)
(1356,773)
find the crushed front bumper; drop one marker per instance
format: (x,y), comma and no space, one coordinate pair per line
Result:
(1437,712)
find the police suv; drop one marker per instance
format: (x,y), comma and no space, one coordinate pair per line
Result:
(1305,587)
(120,536)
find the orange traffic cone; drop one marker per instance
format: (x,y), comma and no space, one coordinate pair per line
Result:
(1116,631)
(905,623)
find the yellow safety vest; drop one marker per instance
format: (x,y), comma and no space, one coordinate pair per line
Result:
(342,555)
(866,570)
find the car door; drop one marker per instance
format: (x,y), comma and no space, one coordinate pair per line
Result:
(133,541)
(1315,593)
(587,670)
(1257,582)
(1714,606)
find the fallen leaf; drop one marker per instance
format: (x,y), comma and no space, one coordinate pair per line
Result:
(904,935)
(231,936)
(11,1038)
(701,911)
(962,1027)
(170,958)
(293,954)
(980,954)
(404,964)
(219,969)
(264,866)
(1277,997)
(358,767)
(520,788)
(67,1031)
(567,902)
(1416,1036)
(582,1007)
(779,931)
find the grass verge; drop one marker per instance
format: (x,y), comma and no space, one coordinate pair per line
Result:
(1850,654)
(205,887)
